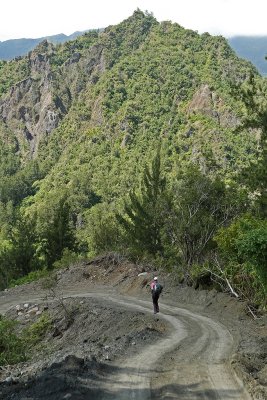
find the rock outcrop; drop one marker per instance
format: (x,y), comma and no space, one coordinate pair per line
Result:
(208,103)
(29,109)
(34,107)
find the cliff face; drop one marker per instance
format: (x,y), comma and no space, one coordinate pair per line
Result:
(208,103)
(34,107)
(29,109)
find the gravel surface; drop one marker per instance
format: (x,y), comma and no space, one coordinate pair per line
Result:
(202,345)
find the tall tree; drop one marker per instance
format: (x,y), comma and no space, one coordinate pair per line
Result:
(199,207)
(17,251)
(54,230)
(254,96)
(141,216)
(243,248)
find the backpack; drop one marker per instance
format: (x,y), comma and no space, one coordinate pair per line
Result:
(157,289)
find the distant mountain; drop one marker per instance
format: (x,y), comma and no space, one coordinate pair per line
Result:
(12,48)
(252,48)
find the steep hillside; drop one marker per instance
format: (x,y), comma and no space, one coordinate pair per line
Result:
(79,122)
(140,76)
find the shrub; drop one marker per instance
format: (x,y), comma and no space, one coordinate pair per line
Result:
(12,347)
(31,277)
(37,331)
(243,246)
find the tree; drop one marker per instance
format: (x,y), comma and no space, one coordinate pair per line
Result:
(243,248)
(254,95)
(17,251)
(199,207)
(101,231)
(141,217)
(54,230)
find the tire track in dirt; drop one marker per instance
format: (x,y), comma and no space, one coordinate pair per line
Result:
(200,370)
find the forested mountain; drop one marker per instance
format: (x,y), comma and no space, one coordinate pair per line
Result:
(13,48)
(252,48)
(145,138)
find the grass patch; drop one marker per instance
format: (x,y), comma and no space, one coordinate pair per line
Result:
(36,332)
(31,277)
(12,347)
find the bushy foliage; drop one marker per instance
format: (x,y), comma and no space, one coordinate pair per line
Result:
(12,72)
(30,277)
(243,246)
(142,216)
(12,348)
(199,207)
(100,232)
(15,346)
(17,249)
(34,334)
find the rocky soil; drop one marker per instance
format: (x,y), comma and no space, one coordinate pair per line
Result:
(88,334)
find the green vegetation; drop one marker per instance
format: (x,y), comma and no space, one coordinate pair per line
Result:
(34,334)
(12,72)
(243,246)
(12,348)
(98,181)
(15,346)
(30,277)
(143,214)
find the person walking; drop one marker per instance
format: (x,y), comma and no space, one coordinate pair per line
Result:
(156,289)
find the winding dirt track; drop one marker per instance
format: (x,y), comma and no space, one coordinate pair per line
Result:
(189,363)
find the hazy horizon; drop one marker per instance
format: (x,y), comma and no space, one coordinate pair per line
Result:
(218,17)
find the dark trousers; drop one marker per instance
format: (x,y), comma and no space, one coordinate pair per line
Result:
(155,299)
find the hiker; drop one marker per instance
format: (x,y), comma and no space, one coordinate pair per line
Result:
(156,289)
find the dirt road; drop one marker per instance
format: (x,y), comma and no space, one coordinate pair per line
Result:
(191,362)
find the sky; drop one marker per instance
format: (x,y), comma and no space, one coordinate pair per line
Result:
(38,18)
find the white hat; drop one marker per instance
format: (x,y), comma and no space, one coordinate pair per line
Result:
(156,278)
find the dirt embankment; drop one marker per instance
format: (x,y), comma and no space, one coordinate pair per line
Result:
(97,344)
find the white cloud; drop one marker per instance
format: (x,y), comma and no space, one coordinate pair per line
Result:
(33,18)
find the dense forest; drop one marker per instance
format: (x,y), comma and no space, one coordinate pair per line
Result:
(144,139)
(251,48)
